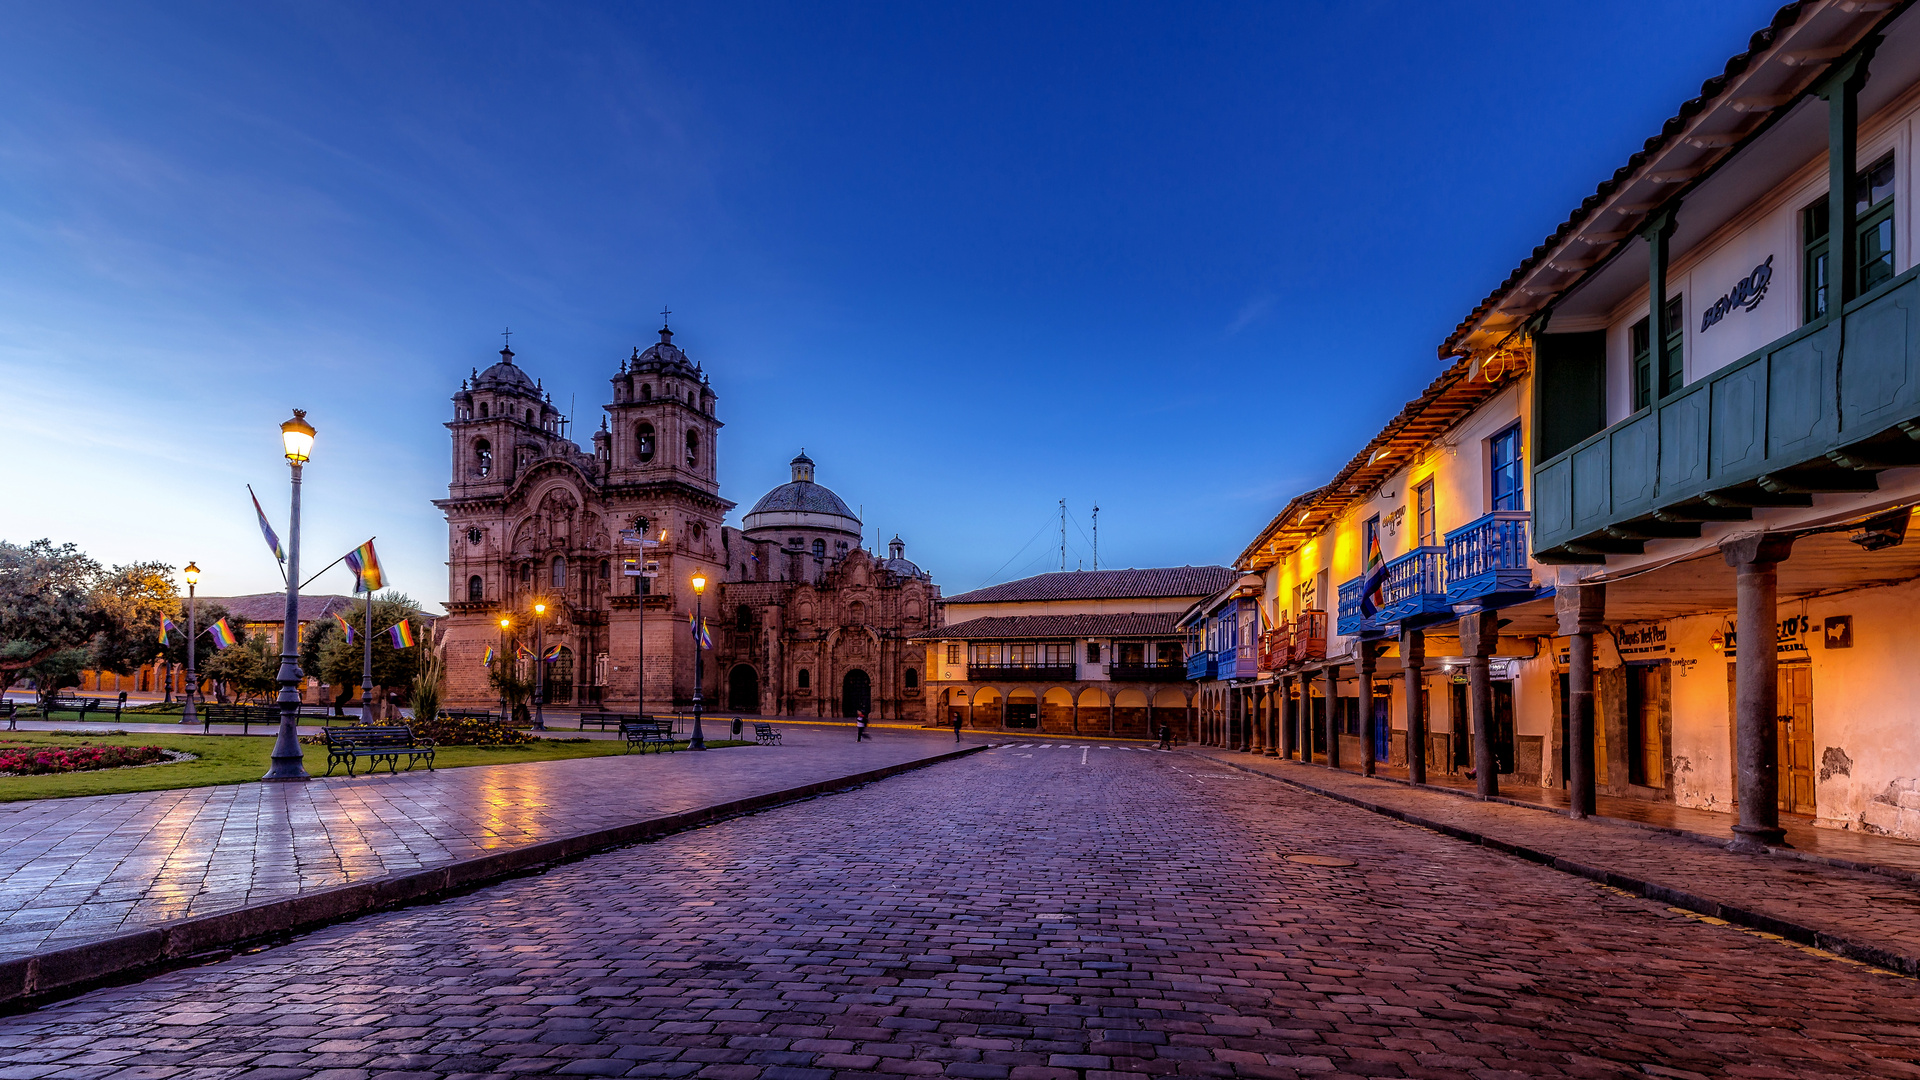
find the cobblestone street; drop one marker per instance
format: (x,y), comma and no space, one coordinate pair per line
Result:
(1030,913)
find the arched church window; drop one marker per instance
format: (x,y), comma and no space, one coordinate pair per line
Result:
(646,391)
(606,569)
(743,618)
(643,442)
(805,680)
(483,457)
(483,410)
(693,448)
(559,571)
(526,573)
(913,679)
(819,549)
(476,589)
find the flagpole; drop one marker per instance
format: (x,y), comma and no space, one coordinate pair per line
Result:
(322,570)
(366,664)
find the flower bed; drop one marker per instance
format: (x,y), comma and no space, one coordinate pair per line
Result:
(35,760)
(446,732)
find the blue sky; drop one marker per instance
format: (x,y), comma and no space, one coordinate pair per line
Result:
(1180,260)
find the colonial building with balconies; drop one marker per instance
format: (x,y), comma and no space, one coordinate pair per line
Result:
(1084,652)
(1724,455)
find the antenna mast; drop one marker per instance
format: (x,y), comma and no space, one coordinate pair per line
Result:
(1063,534)
(1096,537)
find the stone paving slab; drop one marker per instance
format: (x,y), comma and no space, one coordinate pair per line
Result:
(80,871)
(1864,916)
(1028,913)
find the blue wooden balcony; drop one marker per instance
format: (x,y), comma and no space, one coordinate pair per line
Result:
(1814,411)
(1239,662)
(1415,590)
(1488,558)
(1348,618)
(1200,666)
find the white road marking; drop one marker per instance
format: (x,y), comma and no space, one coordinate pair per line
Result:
(1083,754)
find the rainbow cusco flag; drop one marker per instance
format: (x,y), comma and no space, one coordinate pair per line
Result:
(222,634)
(366,568)
(166,625)
(402,634)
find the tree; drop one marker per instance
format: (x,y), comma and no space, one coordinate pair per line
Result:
(247,668)
(133,601)
(48,614)
(327,653)
(206,613)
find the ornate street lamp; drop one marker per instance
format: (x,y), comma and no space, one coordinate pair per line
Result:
(698,741)
(296,435)
(192,574)
(504,623)
(539,665)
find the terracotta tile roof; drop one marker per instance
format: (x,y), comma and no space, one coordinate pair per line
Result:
(1446,401)
(1153,581)
(272,607)
(1016,627)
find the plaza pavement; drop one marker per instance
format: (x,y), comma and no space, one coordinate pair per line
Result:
(1032,912)
(77,872)
(1869,916)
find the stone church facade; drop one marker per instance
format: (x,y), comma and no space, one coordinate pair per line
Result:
(802,619)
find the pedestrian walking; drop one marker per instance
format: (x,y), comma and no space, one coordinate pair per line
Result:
(859,725)
(1166,736)
(956,725)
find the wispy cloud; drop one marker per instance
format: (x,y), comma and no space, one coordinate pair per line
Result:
(1251,312)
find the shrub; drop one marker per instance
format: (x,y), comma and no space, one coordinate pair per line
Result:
(33,761)
(448,732)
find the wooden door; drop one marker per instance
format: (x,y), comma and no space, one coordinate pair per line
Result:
(1796,738)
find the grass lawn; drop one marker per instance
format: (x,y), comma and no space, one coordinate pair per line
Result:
(242,759)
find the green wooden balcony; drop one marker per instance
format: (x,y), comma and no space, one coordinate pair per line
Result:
(1822,409)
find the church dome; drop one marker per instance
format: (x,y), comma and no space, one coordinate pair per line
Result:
(802,503)
(665,357)
(505,375)
(899,565)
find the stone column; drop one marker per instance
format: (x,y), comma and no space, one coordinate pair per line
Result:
(1582,611)
(1333,722)
(1756,560)
(1276,700)
(1478,634)
(1368,726)
(1413,658)
(1289,717)
(1306,716)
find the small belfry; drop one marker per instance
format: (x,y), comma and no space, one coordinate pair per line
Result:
(596,550)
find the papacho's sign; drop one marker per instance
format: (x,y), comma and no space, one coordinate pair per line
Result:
(1743,297)
(1640,640)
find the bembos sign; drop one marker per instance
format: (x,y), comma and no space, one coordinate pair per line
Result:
(1745,296)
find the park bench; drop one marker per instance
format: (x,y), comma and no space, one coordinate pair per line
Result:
(766,735)
(604,720)
(237,714)
(645,732)
(74,703)
(348,744)
(12,712)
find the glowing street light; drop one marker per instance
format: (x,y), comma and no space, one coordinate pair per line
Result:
(296,435)
(698,741)
(192,576)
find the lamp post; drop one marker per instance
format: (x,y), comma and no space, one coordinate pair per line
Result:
(698,742)
(539,665)
(192,574)
(504,623)
(297,437)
